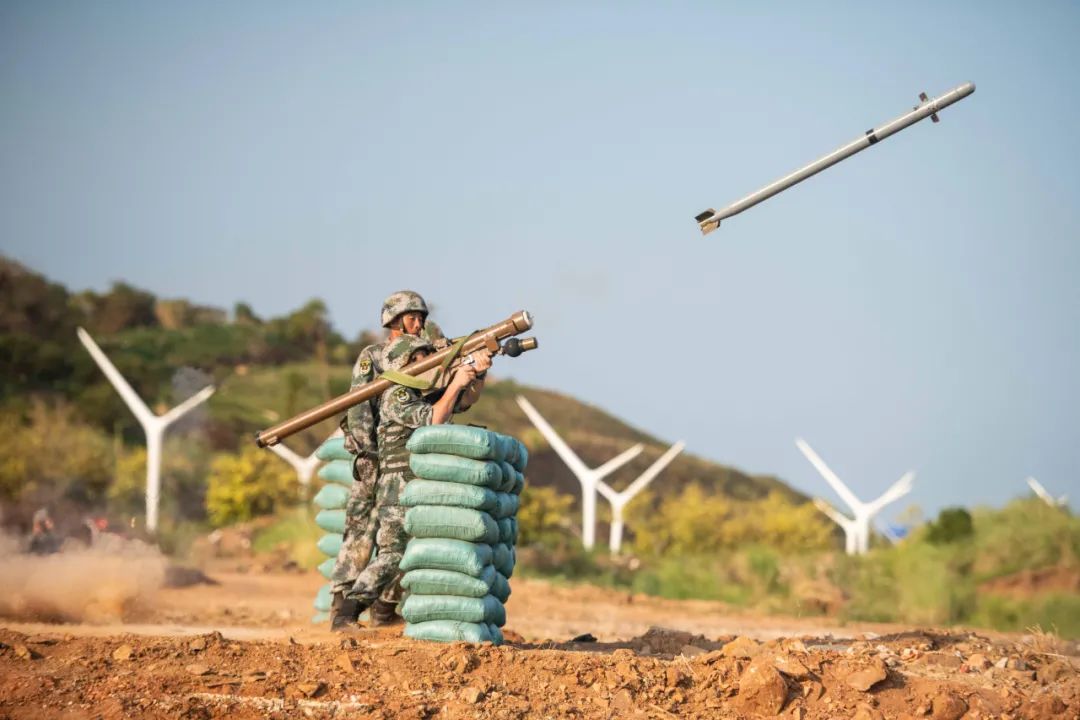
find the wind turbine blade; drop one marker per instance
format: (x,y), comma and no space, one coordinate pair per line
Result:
(287,455)
(568,456)
(607,491)
(833,514)
(647,477)
(1039,490)
(618,461)
(189,404)
(130,397)
(830,477)
(898,490)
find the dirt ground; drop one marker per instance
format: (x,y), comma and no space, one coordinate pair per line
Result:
(245,648)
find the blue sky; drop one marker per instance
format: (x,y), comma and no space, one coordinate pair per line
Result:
(916,307)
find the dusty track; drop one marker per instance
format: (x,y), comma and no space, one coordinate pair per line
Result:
(267,661)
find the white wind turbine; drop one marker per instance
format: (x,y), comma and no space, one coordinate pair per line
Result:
(1046,497)
(304,466)
(851,528)
(588,477)
(153,425)
(864,512)
(619,500)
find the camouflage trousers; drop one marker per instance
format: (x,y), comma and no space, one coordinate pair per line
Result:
(381,576)
(361,524)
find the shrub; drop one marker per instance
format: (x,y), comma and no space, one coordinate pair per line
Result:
(251,483)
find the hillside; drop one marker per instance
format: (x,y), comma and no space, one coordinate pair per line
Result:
(267,370)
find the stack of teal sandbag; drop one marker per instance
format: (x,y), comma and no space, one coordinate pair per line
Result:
(462,523)
(331,499)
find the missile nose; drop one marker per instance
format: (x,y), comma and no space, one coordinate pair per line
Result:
(967,88)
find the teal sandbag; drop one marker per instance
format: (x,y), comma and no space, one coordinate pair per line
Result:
(331,497)
(322,599)
(319,618)
(508,474)
(519,484)
(451,468)
(506,505)
(326,567)
(506,530)
(503,558)
(449,631)
(496,634)
(425,608)
(463,440)
(447,582)
(334,449)
(330,544)
(500,587)
(441,521)
(337,471)
(435,492)
(521,457)
(445,554)
(513,530)
(332,521)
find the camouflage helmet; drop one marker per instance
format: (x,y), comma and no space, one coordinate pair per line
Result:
(402,301)
(399,350)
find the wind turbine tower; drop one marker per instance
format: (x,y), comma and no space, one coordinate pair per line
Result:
(1045,496)
(619,500)
(857,530)
(153,425)
(588,477)
(304,466)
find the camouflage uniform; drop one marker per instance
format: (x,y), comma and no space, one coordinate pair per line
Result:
(360,525)
(401,410)
(360,439)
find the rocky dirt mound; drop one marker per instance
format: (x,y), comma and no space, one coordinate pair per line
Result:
(662,674)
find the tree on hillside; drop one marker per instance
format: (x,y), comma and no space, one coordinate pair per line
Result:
(122,308)
(244,315)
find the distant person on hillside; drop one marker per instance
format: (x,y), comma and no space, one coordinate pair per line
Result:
(401,410)
(43,539)
(403,313)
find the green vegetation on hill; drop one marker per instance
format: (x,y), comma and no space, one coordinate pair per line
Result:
(265,371)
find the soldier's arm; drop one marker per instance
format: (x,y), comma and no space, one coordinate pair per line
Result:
(471,393)
(444,406)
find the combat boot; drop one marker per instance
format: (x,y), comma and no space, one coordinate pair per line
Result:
(384,613)
(343,613)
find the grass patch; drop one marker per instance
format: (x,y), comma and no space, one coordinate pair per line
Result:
(293,533)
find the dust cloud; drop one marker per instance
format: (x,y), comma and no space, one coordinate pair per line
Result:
(79,584)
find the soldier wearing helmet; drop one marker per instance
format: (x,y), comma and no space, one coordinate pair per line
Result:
(402,409)
(403,313)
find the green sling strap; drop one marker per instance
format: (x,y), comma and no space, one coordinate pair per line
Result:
(400,378)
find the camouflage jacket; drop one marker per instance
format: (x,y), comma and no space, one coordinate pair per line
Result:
(362,420)
(401,410)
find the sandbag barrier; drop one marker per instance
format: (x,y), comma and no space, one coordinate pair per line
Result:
(462,525)
(331,500)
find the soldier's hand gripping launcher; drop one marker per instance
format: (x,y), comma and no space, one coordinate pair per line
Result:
(431,371)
